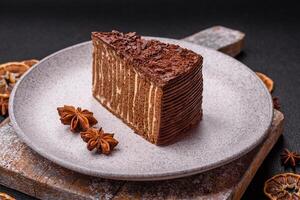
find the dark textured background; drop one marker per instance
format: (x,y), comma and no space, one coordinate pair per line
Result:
(34,29)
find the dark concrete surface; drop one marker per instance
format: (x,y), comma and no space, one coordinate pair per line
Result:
(31,29)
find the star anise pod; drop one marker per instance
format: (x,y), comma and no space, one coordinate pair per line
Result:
(290,158)
(79,120)
(97,139)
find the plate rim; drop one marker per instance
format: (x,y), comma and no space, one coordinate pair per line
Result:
(137,177)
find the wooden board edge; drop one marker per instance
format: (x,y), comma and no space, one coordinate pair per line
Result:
(233,49)
(240,189)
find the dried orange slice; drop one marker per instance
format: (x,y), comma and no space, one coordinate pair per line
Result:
(13,67)
(4,98)
(267,81)
(4,196)
(30,62)
(283,187)
(3,106)
(10,72)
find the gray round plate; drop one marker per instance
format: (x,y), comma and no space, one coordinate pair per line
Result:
(237,114)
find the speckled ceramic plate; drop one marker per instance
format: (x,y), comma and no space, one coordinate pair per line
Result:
(237,114)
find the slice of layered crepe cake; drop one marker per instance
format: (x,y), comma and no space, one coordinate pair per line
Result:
(155,88)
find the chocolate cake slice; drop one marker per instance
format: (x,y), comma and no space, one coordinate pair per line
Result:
(155,88)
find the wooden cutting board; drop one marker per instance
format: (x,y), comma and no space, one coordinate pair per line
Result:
(24,170)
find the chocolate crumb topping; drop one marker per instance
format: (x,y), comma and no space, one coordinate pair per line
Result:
(156,60)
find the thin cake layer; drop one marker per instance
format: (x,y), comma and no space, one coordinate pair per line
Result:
(181,106)
(155,88)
